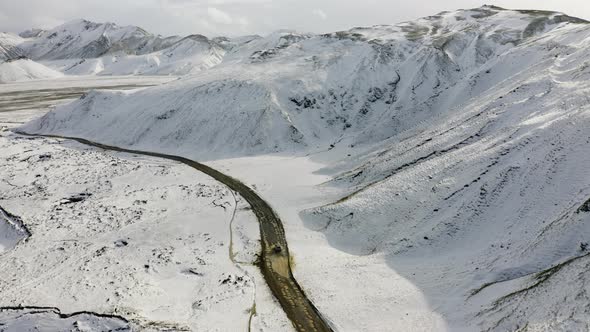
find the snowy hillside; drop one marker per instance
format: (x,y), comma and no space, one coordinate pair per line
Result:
(189,55)
(9,49)
(14,66)
(86,48)
(84,39)
(298,92)
(459,144)
(24,70)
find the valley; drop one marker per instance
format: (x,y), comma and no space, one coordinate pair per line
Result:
(428,175)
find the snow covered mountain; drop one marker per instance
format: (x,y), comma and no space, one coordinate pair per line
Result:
(188,55)
(459,142)
(9,49)
(84,39)
(24,70)
(14,65)
(86,48)
(297,92)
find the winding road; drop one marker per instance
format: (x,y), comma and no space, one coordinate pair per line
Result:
(274,263)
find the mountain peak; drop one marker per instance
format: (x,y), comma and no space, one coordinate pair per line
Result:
(78,22)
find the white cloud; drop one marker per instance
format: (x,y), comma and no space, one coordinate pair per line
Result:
(242,21)
(320,13)
(233,2)
(219,16)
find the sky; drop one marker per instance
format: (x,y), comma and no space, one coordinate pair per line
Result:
(243,17)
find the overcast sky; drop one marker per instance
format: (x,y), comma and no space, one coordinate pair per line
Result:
(240,17)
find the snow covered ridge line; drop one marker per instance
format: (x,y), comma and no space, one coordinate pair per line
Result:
(82,47)
(275,260)
(85,39)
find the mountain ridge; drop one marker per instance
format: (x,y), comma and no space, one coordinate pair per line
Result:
(84,47)
(303,78)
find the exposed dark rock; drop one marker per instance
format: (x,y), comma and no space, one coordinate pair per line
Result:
(75,198)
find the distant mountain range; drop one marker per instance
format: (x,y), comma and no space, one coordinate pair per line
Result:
(83,39)
(81,47)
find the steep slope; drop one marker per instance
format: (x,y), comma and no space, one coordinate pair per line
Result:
(459,142)
(483,206)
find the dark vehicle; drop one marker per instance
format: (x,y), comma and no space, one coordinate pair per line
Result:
(277,249)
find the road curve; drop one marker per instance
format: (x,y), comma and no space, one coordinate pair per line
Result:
(275,266)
